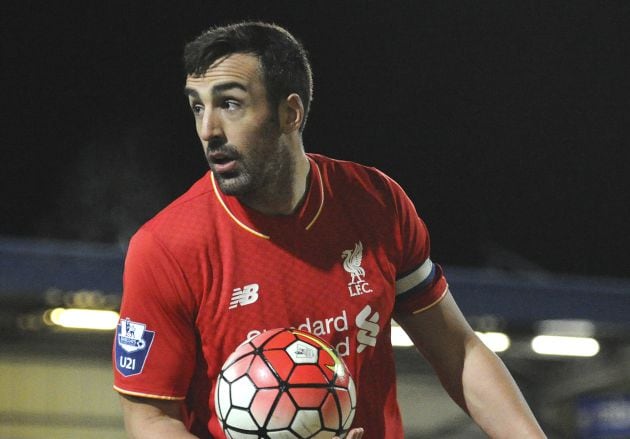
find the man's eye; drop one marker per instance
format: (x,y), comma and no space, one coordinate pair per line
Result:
(197,109)
(230,105)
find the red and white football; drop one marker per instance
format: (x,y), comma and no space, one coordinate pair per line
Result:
(285,384)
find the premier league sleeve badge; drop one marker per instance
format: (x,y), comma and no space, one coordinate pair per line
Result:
(133,342)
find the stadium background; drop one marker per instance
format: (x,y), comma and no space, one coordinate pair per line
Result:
(507,123)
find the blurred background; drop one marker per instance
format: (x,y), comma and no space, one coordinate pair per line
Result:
(507,123)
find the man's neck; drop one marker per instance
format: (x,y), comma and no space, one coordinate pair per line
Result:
(287,195)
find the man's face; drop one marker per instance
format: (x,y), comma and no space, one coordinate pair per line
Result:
(236,125)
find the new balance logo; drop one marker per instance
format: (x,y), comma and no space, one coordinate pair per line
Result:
(369,329)
(244,296)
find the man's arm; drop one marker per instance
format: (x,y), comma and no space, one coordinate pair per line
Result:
(153,418)
(474,377)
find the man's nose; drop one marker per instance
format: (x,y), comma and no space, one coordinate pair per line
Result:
(211,126)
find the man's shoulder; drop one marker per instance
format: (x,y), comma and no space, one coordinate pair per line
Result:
(192,208)
(352,175)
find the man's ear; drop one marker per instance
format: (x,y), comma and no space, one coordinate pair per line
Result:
(291,113)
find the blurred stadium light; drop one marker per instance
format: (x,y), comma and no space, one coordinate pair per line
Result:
(76,318)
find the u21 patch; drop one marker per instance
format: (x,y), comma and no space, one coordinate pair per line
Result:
(133,342)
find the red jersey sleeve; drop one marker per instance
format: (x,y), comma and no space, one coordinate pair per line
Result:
(420,283)
(154,346)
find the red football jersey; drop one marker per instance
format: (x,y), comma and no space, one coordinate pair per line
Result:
(207,272)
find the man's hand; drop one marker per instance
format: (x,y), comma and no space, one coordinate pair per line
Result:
(355,433)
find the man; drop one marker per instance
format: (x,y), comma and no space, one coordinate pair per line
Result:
(309,239)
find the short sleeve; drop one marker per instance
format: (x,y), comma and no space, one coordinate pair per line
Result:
(154,347)
(420,283)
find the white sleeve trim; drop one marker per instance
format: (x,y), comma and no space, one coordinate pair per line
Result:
(415,278)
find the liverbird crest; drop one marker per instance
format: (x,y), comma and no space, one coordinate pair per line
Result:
(352,263)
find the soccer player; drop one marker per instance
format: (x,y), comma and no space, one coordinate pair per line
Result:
(276,237)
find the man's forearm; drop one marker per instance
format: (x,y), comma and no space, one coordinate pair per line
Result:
(474,377)
(165,428)
(153,419)
(493,399)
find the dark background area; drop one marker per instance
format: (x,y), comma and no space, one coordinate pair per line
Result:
(508,123)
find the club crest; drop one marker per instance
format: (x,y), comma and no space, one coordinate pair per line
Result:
(352,260)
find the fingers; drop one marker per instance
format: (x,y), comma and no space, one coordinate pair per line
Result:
(355,433)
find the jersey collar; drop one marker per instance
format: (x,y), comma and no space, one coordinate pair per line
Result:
(266,226)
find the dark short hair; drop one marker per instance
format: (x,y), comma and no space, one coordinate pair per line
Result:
(284,62)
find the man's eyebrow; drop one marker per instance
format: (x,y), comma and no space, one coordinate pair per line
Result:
(216,90)
(220,88)
(191,92)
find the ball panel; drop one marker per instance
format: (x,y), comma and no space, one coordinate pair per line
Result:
(330,413)
(281,340)
(260,339)
(242,391)
(324,435)
(342,378)
(223,398)
(283,413)
(352,391)
(261,375)
(241,350)
(345,404)
(306,423)
(348,423)
(302,352)
(241,419)
(282,435)
(233,434)
(332,369)
(281,363)
(263,401)
(238,368)
(308,397)
(308,374)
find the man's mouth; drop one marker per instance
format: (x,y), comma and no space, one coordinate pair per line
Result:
(221,162)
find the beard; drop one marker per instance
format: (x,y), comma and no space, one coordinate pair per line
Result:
(239,181)
(264,169)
